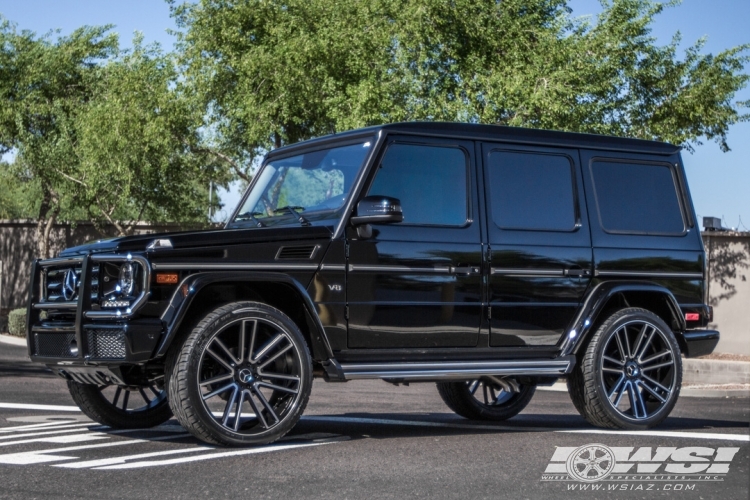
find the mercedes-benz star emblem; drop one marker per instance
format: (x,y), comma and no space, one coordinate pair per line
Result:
(69,284)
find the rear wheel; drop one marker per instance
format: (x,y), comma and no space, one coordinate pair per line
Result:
(630,374)
(243,376)
(123,407)
(487,398)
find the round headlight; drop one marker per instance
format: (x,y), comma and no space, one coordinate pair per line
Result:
(126,283)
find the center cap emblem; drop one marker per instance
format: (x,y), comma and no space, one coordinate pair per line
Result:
(69,284)
(631,370)
(246,376)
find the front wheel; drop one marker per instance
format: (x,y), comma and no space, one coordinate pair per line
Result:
(630,374)
(242,377)
(123,407)
(487,398)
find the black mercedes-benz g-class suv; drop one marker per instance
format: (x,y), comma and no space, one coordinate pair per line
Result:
(484,258)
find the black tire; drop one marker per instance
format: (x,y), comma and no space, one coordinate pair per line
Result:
(496,404)
(142,407)
(222,366)
(633,352)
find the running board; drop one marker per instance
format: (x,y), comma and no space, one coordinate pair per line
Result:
(456,370)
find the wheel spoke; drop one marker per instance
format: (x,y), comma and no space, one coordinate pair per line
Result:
(257,410)
(117,396)
(241,344)
(625,387)
(125,400)
(143,395)
(646,344)
(238,413)
(265,403)
(660,365)
(275,356)
(224,348)
(653,392)
(639,339)
(278,376)
(270,345)
(484,391)
(655,357)
(623,356)
(218,391)
(613,361)
(617,386)
(217,378)
(611,370)
(228,407)
(657,384)
(253,335)
(627,341)
(277,387)
(155,390)
(226,365)
(639,399)
(473,387)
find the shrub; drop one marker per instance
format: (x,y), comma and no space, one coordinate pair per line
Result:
(17,322)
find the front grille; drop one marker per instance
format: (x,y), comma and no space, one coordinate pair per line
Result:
(55,345)
(62,283)
(106,343)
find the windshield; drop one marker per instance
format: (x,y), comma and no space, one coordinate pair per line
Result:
(303,188)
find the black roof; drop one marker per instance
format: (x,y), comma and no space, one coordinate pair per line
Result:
(498,133)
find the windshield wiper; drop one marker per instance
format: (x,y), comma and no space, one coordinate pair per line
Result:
(293,210)
(250,216)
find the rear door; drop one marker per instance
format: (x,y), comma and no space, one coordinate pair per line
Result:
(538,234)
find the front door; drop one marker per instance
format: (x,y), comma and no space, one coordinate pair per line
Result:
(417,284)
(538,233)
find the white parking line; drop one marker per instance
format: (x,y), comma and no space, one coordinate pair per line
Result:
(25,406)
(42,456)
(123,459)
(76,438)
(420,423)
(211,456)
(18,428)
(45,433)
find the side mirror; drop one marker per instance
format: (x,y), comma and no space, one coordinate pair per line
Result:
(377,210)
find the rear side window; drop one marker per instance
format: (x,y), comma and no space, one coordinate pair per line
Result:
(639,198)
(532,191)
(430,181)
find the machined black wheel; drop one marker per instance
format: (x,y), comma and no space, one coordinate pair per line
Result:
(486,398)
(123,407)
(243,376)
(630,374)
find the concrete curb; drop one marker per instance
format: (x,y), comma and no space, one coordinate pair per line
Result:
(12,340)
(685,392)
(714,371)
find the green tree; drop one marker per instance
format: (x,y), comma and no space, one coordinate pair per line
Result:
(273,73)
(100,134)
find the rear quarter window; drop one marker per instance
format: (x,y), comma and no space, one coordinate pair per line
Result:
(637,197)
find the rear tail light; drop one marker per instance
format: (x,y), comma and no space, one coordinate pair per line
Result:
(692,317)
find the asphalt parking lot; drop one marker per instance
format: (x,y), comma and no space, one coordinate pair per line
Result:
(365,439)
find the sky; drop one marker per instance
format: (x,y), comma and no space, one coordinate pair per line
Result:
(719,182)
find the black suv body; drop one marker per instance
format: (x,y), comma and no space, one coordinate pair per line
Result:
(484,258)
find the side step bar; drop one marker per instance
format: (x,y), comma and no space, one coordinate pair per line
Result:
(450,370)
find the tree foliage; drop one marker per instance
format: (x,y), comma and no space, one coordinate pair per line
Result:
(99,133)
(273,73)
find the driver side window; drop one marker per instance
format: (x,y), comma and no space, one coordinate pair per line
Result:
(430,181)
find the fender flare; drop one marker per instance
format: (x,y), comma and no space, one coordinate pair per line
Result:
(180,303)
(594,304)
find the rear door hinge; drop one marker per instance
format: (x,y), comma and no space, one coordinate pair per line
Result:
(489,312)
(346,313)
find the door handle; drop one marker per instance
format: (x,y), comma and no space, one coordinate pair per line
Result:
(465,270)
(577,272)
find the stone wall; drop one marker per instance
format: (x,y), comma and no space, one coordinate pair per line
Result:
(728,254)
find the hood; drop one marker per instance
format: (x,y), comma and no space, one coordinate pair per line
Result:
(201,239)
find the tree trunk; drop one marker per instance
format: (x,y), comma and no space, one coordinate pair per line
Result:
(48,211)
